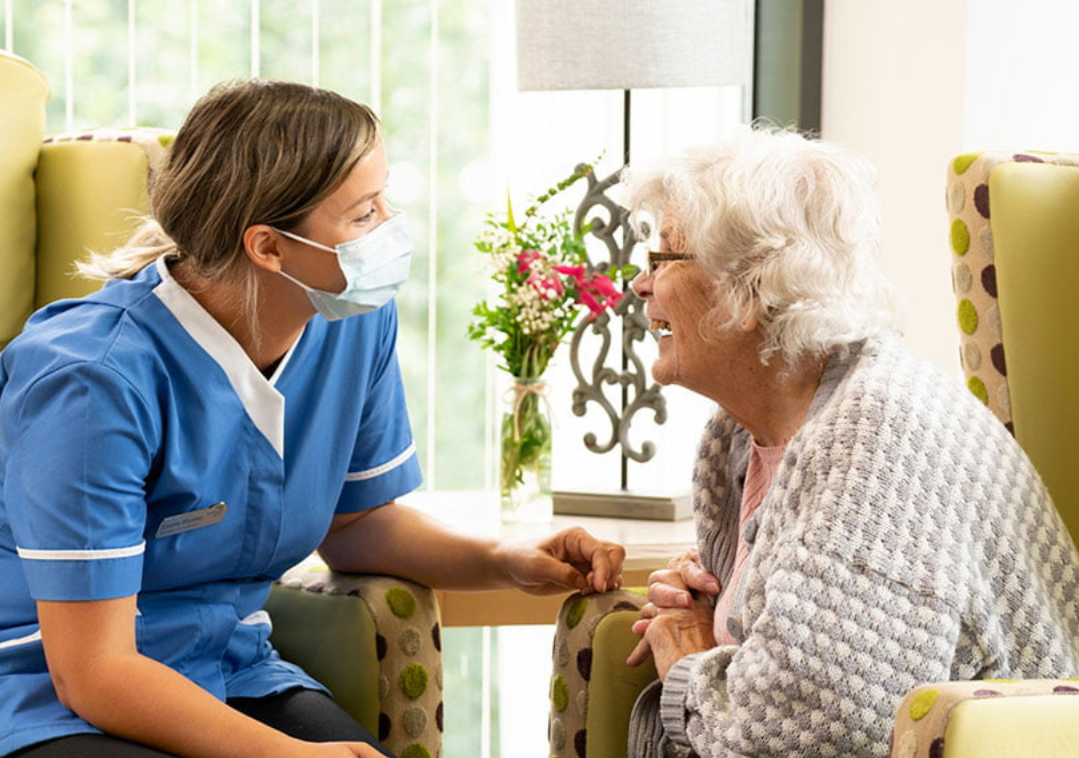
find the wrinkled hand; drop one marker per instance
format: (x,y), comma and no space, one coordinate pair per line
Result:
(670,634)
(676,587)
(571,559)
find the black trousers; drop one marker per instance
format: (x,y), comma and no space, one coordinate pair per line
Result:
(303,714)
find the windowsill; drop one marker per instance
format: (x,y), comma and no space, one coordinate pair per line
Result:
(649,546)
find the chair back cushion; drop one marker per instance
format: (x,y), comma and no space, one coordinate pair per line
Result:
(23,95)
(1015,243)
(91,195)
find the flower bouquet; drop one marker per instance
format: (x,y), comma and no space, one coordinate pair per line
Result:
(544,284)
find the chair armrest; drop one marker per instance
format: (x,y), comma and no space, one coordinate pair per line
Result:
(592,688)
(1036,718)
(375,642)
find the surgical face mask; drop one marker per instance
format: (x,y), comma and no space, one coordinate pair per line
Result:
(375,266)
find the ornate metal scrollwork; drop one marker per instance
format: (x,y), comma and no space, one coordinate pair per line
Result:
(612,227)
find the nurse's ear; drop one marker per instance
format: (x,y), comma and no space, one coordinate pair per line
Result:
(262,245)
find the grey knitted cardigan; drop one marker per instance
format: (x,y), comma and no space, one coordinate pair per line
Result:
(905,539)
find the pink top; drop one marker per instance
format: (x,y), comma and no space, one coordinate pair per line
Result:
(763,463)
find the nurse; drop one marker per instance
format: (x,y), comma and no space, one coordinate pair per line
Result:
(228,403)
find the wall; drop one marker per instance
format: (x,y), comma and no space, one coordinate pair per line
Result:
(893,90)
(1020,75)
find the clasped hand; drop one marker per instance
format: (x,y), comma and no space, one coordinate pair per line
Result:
(677,619)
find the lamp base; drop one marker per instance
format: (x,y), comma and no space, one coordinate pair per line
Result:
(624,504)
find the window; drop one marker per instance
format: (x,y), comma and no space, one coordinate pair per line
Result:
(441,75)
(123,62)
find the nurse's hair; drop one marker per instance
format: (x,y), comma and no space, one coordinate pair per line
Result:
(253,152)
(788,228)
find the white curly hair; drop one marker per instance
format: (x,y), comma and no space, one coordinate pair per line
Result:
(789,229)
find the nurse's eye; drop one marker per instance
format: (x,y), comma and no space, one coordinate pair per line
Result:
(365,218)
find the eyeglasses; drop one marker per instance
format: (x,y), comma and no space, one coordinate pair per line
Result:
(655,258)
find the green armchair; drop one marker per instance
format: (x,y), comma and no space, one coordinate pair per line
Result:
(1015,271)
(592,688)
(375,642)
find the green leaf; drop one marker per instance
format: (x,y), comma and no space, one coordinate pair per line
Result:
(509,212)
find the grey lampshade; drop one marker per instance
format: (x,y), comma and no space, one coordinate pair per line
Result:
(631,44)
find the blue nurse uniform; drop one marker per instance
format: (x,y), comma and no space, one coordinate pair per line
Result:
(142,453)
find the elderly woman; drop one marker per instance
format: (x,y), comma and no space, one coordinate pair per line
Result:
(864,524)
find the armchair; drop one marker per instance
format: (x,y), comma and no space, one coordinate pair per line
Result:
(1015,271)
(375,642)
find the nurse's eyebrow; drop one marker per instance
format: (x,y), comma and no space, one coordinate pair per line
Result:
(370,195)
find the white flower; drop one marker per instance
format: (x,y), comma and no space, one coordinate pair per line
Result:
(501,262)
(533,312)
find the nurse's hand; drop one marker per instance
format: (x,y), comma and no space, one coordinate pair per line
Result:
(571,559)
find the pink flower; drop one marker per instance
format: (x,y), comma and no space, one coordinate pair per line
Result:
(603,286)
(589,301)
(544,284)
(613,298)
(525,259)
(576,272)
(556,284)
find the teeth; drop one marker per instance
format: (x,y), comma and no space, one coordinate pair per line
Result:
(660,328)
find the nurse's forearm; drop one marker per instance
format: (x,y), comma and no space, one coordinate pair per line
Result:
(99,674)
(402,541)
(139,699)
(395,539)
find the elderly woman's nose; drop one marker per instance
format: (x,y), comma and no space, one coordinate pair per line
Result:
(642,284)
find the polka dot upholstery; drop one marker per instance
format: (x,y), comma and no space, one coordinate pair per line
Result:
(153,142)
(591,639)
(408,643)
(923,718)
(974,273)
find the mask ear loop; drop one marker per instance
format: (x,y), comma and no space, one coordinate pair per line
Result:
(306,241)
(297,282)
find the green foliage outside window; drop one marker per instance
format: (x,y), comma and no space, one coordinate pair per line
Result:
(436,124)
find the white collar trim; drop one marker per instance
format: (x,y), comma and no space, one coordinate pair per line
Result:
(263,403)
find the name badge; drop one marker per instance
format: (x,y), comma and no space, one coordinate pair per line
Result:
(185,522)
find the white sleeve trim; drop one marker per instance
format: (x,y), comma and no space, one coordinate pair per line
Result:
(258,618)
(35,637)
(371,473)
(82,555)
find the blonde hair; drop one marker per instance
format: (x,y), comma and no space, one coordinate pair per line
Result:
(789,230)
(253,152)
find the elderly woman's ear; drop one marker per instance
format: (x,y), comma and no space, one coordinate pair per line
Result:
(750,322)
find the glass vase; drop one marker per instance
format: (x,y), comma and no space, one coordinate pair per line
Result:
(525,440)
